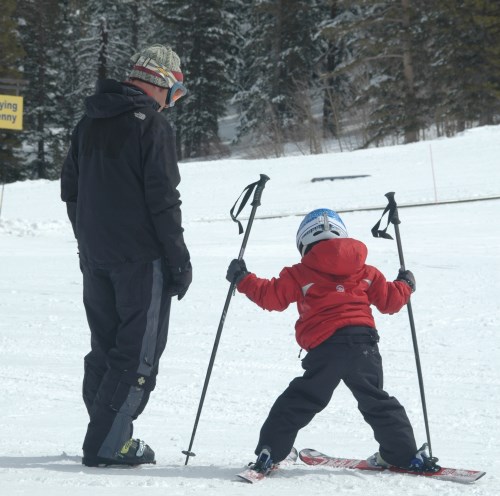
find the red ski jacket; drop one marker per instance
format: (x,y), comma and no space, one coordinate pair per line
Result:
(333,288)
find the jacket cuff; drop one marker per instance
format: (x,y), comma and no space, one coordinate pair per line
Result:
(243,282)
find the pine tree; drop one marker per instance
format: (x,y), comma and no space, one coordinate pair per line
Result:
(139,22)
(337,87)
(73,81)
(12,51)
(416,64)
(97,40)
(39,35)
(12,54)
(109,35)
(281,60)
(404,64)
(464,54)
(385,63)
(202,33)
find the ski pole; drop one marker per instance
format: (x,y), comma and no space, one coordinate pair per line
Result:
(259,187)
(393,218)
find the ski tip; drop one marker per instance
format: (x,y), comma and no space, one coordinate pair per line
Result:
(242,478)
(250,476)
(308,452)
(479,476)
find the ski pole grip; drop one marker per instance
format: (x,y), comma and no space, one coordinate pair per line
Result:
(390,197)
(259,189)
(393,208)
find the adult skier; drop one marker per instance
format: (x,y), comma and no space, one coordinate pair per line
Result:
(119,182)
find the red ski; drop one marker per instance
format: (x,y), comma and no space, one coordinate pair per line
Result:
(252,476)
(313,457)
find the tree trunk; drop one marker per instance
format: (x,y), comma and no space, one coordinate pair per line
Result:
(102,70)
(134,6)
(40,115)
(411,126)
(276,42)
(329,118)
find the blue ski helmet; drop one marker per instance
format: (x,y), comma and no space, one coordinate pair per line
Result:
(317,225)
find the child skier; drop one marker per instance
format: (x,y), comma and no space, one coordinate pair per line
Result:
(333,289)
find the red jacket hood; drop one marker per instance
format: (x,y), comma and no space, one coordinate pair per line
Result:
(339,256)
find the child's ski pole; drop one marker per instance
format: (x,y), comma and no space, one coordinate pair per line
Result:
(393,218)
(259,187)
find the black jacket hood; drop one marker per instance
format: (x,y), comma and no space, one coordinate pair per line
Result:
(113,98)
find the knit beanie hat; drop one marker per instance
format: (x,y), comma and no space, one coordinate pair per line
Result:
(156,65)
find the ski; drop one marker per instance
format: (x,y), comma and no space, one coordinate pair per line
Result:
(252,476)
(313,457)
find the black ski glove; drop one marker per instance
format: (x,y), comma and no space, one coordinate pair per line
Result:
(178,280)
(407,277)
(236,271)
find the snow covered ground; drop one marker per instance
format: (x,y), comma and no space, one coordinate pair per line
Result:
(453,250)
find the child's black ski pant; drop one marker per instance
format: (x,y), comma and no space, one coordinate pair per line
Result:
(350,355)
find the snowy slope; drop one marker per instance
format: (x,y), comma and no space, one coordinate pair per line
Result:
(452,249)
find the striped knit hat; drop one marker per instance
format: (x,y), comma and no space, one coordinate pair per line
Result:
(158,65)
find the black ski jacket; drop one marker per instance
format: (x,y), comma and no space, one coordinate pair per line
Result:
(120,178)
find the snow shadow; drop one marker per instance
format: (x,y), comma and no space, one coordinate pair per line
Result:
(73,464)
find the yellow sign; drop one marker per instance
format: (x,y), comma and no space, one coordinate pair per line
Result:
(11,112)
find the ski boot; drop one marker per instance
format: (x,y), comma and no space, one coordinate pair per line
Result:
(376,460)
(264,463)
(422,462)
(133,452)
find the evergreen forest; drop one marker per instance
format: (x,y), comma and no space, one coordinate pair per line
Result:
(262,75)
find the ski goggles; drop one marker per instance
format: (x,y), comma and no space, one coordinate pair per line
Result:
(175,92)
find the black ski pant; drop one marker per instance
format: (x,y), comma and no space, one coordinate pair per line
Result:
(350,355)
(128,313)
